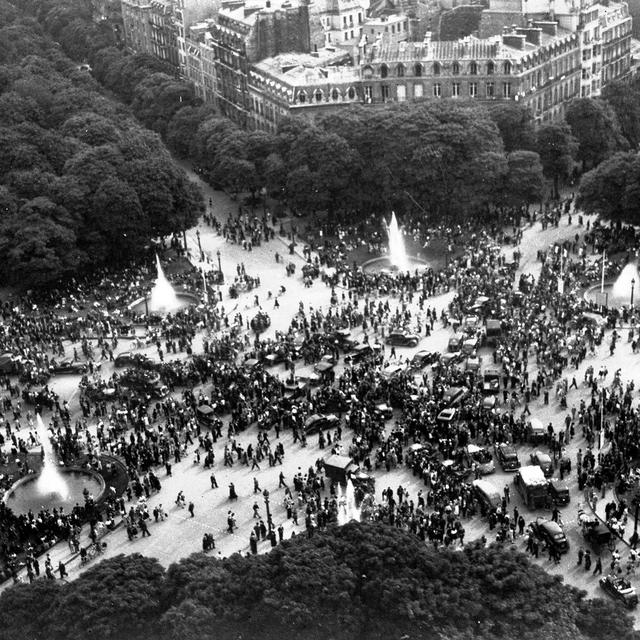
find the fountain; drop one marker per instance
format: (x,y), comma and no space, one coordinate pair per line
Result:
(54,486)
(347,509)
(618,293)
(164,298)
(396,258)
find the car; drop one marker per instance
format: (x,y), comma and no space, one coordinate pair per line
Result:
(422,359)
(620,589)
(318,422)
(470,345)
(454,343)
(361,352)
(344,340)
(402,339)
(507,457)
(551,533)
(384,411)
(491,381)
(455,396)
(127,358)
(68,366)
(452,357)
(543,461)
(482,458)
(392,371)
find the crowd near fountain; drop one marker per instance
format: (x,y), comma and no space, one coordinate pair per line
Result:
(163,296)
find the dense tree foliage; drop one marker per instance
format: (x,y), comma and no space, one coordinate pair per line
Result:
(358,581)
(77,187)
(557,148)
(613,189)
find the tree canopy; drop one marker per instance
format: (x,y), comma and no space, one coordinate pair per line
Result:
(356,581)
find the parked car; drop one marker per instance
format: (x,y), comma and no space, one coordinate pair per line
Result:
(316,422)
(452,357)
(422,359)
(482,457)
(552,533)
(543,461)
(68,366)
(454,343)
(559,493)
(507,457)
(455,396)
(402,339)
(620,589)
(128,358)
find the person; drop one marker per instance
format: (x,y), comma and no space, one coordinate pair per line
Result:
(191,509)
(143,527)
(214,482)
(256,485)
(598,569)
(62,569)
(253,543)
(232,492)
(587,560)
(580,555)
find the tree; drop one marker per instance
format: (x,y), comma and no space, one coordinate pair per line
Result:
(595,126)
(25,610)
(556,147)
(624,98)
(524,180)
(116,598)
(515,124)
(611,189)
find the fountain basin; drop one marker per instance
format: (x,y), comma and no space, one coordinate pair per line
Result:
(183,300)
(592,294)
(384,264)
(25,494)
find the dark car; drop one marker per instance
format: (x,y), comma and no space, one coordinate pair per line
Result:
(128,358)
(454,343)
(68,366)
(455,396)
(317,422)
(552,533)
(344,340)
(559,493)
(422,359)
(543,461)
(402,339)
(507,457)
(620,588)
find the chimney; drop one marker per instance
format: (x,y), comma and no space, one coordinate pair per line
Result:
(533,35)
(549,27)
(513,40)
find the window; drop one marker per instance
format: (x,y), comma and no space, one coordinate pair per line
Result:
(473,69)
(318,95)
(335,95)
(384,71)
(368,93)
(506,89)
(473,89)
(455,90)
(400,71)
(436,68)
(437,90)
(417,70)
(367,72)
(417,91)
(506,68)
(455,69)
(351,93)
(359,18)
(401,92)
(302,97)
(490,68)
(384,89)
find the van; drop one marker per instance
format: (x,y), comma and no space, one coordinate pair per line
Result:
(487,493)
(532,486)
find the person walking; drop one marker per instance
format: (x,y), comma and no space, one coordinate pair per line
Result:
(62,569)
(587,560)
(191,508)
(214,482)
(598,569)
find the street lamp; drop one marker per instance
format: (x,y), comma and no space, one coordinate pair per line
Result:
(199,245)
(219,265)
(633,284)
(146,305)
(265,495)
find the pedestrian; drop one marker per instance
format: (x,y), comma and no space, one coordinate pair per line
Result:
(191,508)
(281,482)
(598,569)
(214,482)
(62,570)
(143,527)
(253,543)
(580,555)
(587,560)
(256,485)
(256,510)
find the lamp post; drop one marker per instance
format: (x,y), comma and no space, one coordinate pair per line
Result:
(265,495)
(633,284)
(146,305)
(199,245)
(219,265)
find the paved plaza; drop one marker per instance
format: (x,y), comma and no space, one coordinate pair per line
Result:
(180,534)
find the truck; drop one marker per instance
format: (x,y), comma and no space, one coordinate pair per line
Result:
(532,486)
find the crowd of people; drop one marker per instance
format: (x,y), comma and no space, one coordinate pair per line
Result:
(545,334)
